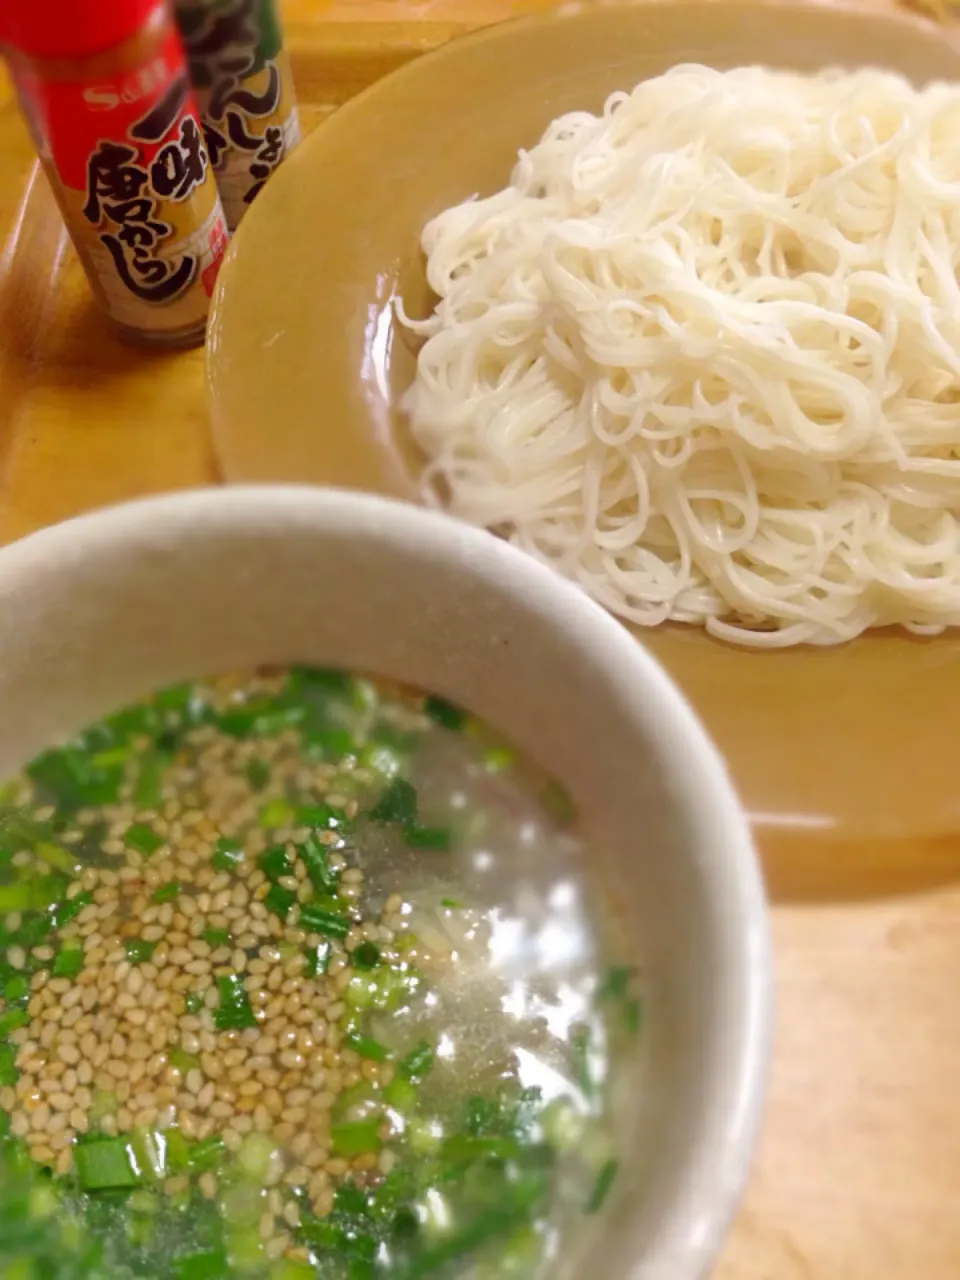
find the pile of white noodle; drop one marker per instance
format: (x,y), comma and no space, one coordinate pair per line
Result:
(702,354)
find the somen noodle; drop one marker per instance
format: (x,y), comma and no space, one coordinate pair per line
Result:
(703,354)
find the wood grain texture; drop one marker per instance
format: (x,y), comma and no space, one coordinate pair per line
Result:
(858,1172)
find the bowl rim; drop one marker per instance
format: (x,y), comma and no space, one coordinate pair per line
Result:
(713,1175)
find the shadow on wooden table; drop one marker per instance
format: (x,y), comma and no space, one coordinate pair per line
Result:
(53,330)
(801,870)
(85,419)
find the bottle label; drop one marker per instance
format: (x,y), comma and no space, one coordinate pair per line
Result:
(244,89)
(126,153)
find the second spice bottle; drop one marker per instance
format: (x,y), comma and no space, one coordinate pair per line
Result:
(244,90)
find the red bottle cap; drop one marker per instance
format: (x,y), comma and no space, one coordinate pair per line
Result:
(71,28)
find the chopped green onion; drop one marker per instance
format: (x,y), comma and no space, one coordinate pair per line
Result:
(68,963)
(211,1265)
(57,857)
(318,958)
(228,854)
(332,682)
(8,1066)
(461,1243)
(207,1153)
(397,803)
(580,1052)
(451,904)
(149,1149)
(632,1018)
(464,1148)
(279,900)
(350,1200)
(427,838)
(142,837)
(13,1018)
(35,928)
(317,861)
(616,983)
(16,988)
(30,894)
(363,694)
(558,804)
(405,1223)
(167,892)
(380,758)
(276,813)
(496,759)
(182,1060)
(238,722)
(139,950)
(215,938)
(148,790)
(255,1154)
(110,757)
(368,1048)
(63,912)
(319,815)
(601,1188)
(245,1250)
(133,722)
(193,1002)
(105,1164)
(234,1012)
(356,1138)
(291,1269)
(562,1124)
(103,1104)
(325,1236)
(366,956)
(329,924)
(362,992)
(178,1151)
(16,897)
(44,1203)
(617,987)
(75,780)
(179,699)
(388,988)
(330,742)
(275,863)
(418,1061)
(258,774)
(274,720)
(401,1094)
(144,1201)
(19,831)
(444,713)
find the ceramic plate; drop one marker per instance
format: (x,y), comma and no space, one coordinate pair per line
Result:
(306,365)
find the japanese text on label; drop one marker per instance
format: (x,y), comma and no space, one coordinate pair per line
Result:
(127,194)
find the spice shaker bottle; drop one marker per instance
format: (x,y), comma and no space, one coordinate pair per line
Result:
(105,90)
(241,76)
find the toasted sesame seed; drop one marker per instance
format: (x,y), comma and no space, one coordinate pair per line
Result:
(112,1028)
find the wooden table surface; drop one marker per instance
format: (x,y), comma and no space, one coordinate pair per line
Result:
(858,1171)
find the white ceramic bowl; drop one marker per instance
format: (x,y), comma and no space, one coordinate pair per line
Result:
(104,609)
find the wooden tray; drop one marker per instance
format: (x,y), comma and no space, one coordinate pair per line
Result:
(858,1173)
